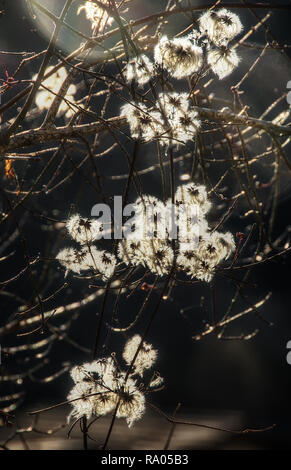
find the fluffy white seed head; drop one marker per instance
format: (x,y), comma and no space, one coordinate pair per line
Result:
(150,218)
(158,256)
(79,373)
(141,69)
(146,356)
(225,244)
(210,250)
(129,251)
(140,120)
(172,121)
(200,256)
(179,56)
(191,230)
(106,263)
(83,402)
(185,126)
(132,402)
(201,260)
(171,103)
(84,231)
(192,193)
(98,380)
(75,260)
(192,263)
(204,271)
(198,250)
(51,87)
(88,258)
(220,26)
(102,371)
(181,123)
(155,254)
(98,16)
(187,259)
(100,386)
(222,61)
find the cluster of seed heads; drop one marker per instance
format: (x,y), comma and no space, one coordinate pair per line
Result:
(101,386)
(195,249)
(172,120)
(160,237)
(86,256)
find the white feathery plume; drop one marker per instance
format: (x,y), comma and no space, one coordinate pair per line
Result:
(88,258)
(132,402)
(140,120)
(98,16)
(100,386)
(106,263)
(173,121)
(83,402)
(140,69)
(179,56)
(220,26)
(204,271)
(222,61)
(45,96)
(75,260)
(192,193)
(158,256)
(146,357)
(84,231)
(129,251)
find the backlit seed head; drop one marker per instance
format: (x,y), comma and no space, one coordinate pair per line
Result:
(220,26)
(179,56)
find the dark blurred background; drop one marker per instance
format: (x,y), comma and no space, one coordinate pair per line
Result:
(234,384)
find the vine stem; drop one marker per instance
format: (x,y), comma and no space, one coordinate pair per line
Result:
(84,429)
(40,135)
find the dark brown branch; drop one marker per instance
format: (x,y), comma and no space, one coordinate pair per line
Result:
(31,137)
